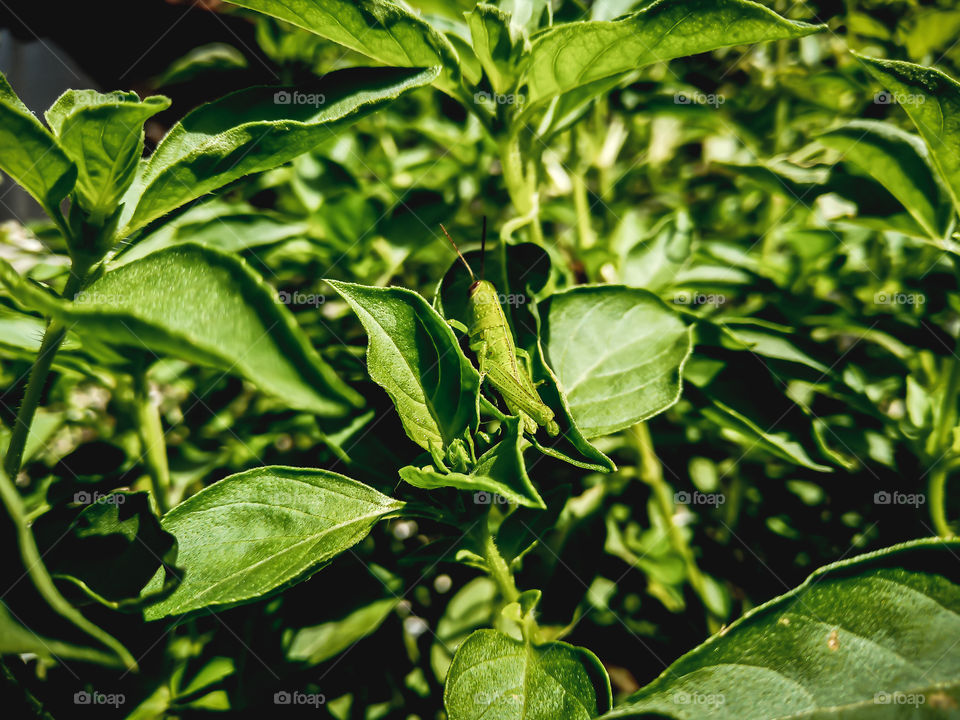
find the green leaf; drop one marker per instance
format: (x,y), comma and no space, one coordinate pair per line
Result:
(315,644)
(30,154)
(380,29)
(231,227)
(932,100)
(500,470)
(897,160)
(260,530)
(741,429)
(574,54)
(413,355)
(498,45)
(202,306)
(618,353)
(496,677)
(254,130)
(103,135)
(846,643)
(210,58)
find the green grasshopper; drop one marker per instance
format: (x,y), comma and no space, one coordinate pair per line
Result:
(491,339)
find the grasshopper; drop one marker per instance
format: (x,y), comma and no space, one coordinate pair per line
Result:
(491,339)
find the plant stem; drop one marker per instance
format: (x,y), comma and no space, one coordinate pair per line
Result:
(499,570)
(521,186)
(151,435)
(52,339)
(33,563)
(651,472)
(937,497)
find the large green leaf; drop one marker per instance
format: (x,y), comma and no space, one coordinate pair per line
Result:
(203,306)
(932,100)
(898,161)
(259,530)
(574,54)
(618,353)
(500,470)
(380,29)
(495,677)
(858,639)
(253,130)
(30,154)
(103,135)
(413,355)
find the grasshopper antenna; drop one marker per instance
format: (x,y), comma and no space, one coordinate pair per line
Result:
(483,250)
(459,254)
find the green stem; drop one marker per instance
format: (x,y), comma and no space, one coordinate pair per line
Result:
(151,435)
(52,339)
(497,566)
(651,472)
(33,563)
(937,497)
(521,185)
(582,205)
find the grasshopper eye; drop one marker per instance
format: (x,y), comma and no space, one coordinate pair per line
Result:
(473,288)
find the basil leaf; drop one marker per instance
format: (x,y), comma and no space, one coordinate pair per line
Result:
(263,529)
(414,356)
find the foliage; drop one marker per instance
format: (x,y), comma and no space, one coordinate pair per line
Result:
(268,442)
